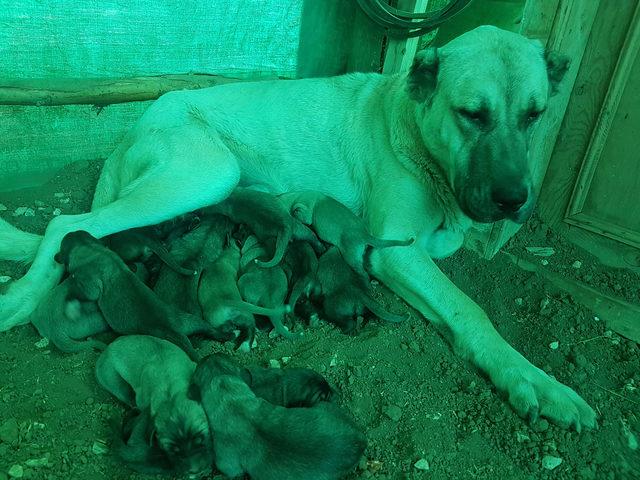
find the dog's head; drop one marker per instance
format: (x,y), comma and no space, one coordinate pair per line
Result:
(182,432)
(478,99)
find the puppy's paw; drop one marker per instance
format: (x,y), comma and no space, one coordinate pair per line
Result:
(534,394)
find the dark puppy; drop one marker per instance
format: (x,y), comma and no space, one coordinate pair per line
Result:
(153,376)
(301,266)
(221,302)
(138,244)
(266,287)
(270,442)
(267,217)
(97,274)
(67,322)
(287,387)
(345,295)
(336,224)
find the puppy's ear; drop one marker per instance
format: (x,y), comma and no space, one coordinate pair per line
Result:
(557,66)
(423,75)
(193,393)
(58,258)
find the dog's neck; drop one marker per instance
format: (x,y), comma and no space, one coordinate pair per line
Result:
(409,148)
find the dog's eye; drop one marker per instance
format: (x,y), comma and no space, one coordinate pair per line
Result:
(479,117)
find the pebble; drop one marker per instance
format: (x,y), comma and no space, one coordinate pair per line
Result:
(415,346)
(519,301)
(541,426)
(26,211)
(42,343)
(274,363)
(576,264)
(285,360)
(60,195)
(394,412)
(16,471)
(4,278)
(549,462)
(64,200)
(422,464)
(554,345)
(56,212)
(334,360)
(99,447)
(3,207)
(37,462)
(544,261)
(9,431)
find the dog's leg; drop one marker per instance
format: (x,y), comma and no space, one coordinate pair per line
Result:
(174,187)
(412,275)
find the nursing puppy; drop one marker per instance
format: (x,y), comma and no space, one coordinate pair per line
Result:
(266,287)
(67,322)
(336,224)
(97,274)
(222,304)
(269,442)
(345,295)
(267,217)
(301,266)
(153,376)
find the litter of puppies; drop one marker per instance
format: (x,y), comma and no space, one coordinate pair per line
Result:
(213,272)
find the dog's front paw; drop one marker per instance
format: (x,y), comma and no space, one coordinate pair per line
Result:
(16,304)
(533,394)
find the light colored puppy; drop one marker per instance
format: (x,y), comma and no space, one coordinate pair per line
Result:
(421,156)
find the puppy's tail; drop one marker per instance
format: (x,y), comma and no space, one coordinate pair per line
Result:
(381,243)
(17,245)
(380,312)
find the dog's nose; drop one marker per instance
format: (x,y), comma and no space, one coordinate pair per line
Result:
(509,199)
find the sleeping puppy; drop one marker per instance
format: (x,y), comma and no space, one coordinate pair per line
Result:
(336,224)
(266,287)
(287,387)
(221,302)
(301,266)
(267,218)
(269,442)
(345,295)
(153,376)
(197,249)
(67,322)
(97,274)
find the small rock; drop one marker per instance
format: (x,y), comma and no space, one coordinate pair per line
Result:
(334,360)
(64,200)
(42,343)
(415,346)
(541,251)
(554,345)
(20,211)
(16,471)
(541,426)
(522,437)
(549,462)
(422,464)
(60,194)
(9,431)
(99,447)
(394,412)
(285,360)
(37,462)
(274,363)
(544,303)
(519,301)
(39,203)
(576,264)
(3,207)
(30,213)
(544,262)
(56,212)
(4,278)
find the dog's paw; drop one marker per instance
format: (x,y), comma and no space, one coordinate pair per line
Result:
(534,394)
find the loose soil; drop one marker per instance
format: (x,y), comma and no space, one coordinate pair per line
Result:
(420,405)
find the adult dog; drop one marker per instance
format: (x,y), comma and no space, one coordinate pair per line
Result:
(418,156)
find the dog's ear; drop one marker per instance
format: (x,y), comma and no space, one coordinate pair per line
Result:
(557,66)
(86,286)
(423,75)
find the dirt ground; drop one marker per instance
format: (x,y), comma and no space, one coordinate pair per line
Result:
(426,414)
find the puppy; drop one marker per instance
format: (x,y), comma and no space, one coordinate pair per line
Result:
(301,266)
(336,224)
(270,442)
(287,387)
(345,295)
(153,376)
(137,245)
(221,302)
(197,249)
(97,274)
(267,217)
(266,287)
(68,322)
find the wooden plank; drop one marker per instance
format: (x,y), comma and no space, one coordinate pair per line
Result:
(123,38)
(400,51)
(366,44)
(609,32)
(76,91)
(608,229)
(37,141)
(569,35)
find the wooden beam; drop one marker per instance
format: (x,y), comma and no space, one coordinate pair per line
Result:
(49,92)
(400,51)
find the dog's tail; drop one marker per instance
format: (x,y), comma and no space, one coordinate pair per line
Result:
(17,245)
